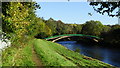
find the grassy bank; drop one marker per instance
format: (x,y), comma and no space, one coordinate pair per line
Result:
(18,55)
(49,53)
(53,54)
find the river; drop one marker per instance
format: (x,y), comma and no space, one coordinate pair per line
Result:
(107,55)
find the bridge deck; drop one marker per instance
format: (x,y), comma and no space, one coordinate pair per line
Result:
(52,37)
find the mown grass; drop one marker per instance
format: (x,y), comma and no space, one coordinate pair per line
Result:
(18,55)
(53,54)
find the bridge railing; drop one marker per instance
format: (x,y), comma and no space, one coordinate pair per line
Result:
(72,35)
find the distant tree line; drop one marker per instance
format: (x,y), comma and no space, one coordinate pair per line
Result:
(20,22)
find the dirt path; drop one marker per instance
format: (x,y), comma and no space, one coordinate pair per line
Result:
(36,58)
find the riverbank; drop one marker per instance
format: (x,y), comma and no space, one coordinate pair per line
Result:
(50,54)
(53,54)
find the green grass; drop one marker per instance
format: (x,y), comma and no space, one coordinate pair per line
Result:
(49,56)
(53,54)
(18,56)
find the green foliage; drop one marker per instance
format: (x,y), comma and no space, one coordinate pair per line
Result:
(18,56)
(106,29)
(20,22)
(106,7)
(18,18)
(79,28)
(38,28)
(75,28)
(92,28)
(52,25)
(115,27)
(58,27)
(68,29)
(15,18)
(113,36)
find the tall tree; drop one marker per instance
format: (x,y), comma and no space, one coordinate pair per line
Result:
(92,28)
(15,17)
(107,7)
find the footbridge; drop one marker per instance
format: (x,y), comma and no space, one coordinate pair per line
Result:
(58,37)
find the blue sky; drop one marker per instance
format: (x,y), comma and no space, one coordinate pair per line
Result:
(72,12)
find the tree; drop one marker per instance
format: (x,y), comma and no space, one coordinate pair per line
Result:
(75,28)
(106,7)
(115,27)
(38,29)
(51,23)
(68,29)
(16,18)
(60,27)
(113,35)
(106,29)
(78,28)
(92,28)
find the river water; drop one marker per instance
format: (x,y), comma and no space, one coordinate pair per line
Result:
(107,55)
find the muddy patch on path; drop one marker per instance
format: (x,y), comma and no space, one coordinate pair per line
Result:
(36,59)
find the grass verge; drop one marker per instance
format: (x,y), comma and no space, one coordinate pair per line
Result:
(18,56)
(53,54)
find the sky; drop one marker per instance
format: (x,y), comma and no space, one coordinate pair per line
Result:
(72,12)
(60,0)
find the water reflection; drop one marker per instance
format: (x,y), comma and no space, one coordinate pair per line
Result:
(106,55)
